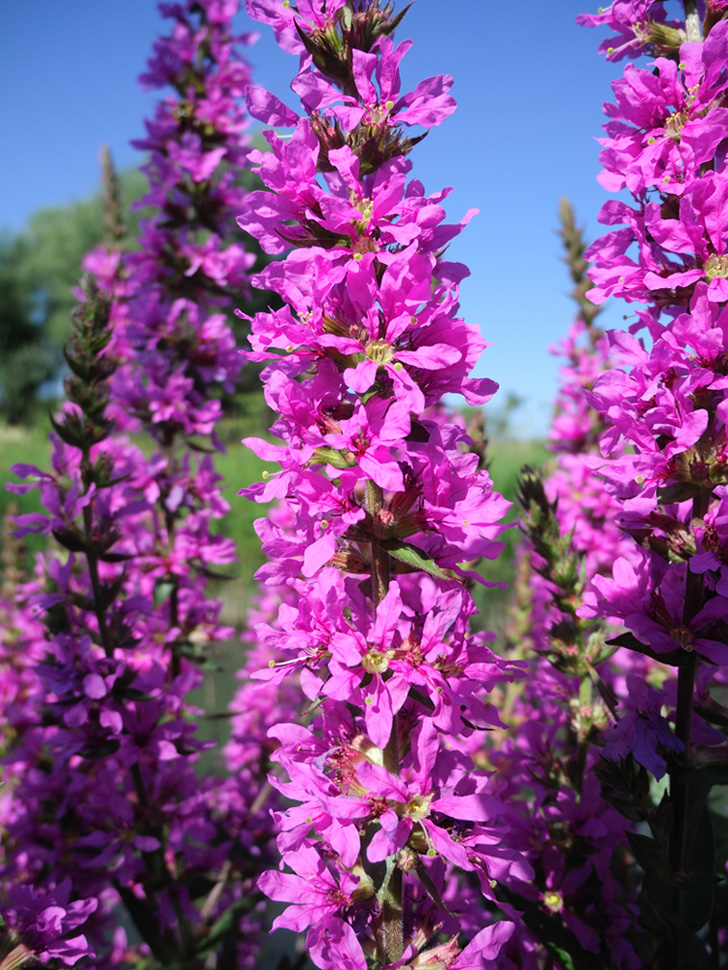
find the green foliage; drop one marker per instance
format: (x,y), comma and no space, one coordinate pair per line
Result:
(554,935)
(27,358)
(41,265)
(413,558)
(508,457)
(38,269)
(31,446)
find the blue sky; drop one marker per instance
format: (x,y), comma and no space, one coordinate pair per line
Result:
(529,87)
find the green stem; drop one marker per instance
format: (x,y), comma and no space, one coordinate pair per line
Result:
(392,932)
(679,794)
(139,786)
(694,595)
(693,28)
(91,559)
(380,573)
(586,700)
(380,557)
(678,789)
(392,917)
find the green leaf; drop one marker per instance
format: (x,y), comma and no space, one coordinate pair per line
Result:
(431,890)
(226,924)
(698,888)
(650,855)
(331,456)
(134,694)
(551,932)
(677,657)
(70,539)
(162,592)
(657,886)
(713,712)
(147,922)
(678,492)
(373,391)
(198,446)
(395,21)
(80,368)
(414,557)
(626,786)
(108,593)
(706,775)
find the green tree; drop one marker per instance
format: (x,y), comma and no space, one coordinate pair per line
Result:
(38,269)
(27,358)
(41,265)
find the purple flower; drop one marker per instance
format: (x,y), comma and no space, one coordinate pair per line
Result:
(45,920)
(315,894)
(642,731)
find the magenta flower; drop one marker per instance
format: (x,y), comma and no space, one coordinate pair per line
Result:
(428,105)
(44,922)
(642,731)
(631,19)
(314,892)
(384,502)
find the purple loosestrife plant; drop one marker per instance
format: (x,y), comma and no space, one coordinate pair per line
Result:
(180,358)
(105,802)
(105,798)
(583,896)
(40,923)
(120,811)
(72,710)
(177,350)
(179,346)
(383,504)
(665,401)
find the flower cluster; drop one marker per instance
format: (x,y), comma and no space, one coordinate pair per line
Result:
(663,403)
(104,762)
(582,513)
(186,272)
(547,766)
(110,805)
(384,506)
(666,400)
(640,27)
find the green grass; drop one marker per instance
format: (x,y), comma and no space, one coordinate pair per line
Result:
(506,457)
(32,447)
(239,468)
